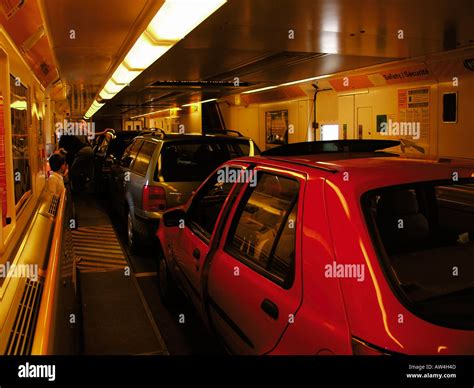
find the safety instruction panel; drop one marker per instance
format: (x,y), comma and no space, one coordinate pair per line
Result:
(414,114)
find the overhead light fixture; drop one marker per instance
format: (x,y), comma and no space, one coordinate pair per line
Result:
(106,95)
(93,109)
(124,75)
(352,93)
(174,20)
(145,52)
(110,90)
(286,84)
(260,90)
(177,18)
(304,80)
(155,112)
(199,102)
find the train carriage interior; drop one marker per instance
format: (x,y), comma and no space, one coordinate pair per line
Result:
(346,130)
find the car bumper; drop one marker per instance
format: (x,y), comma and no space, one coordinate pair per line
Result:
(147,223)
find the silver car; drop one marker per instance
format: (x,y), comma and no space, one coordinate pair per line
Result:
(158,171)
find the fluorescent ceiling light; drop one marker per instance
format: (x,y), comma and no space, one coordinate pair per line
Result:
(158,111)
(95,106)
(124,75)
(286,84)
(199,102)
(114,87)
(260,90)
(351,93)
(144,53)
(110,90)
(106,95)
(176,18)
(304,80)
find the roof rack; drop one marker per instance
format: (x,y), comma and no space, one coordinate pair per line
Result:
(328,146)
(154,132)
(222,132)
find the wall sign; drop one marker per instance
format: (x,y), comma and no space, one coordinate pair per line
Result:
(414,113)
(406,74)
(276,124)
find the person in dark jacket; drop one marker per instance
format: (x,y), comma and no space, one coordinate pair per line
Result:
(80,158)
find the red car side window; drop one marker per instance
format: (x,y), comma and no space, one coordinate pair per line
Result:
(207,205)
(264,229)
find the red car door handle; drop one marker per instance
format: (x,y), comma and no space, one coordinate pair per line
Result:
(270,308)
(197,254)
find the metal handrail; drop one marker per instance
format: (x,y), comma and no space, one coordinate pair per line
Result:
(41,342)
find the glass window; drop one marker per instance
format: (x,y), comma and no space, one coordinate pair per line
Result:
(143,158)
(450,107)
(127,151)
(20,139)
(425,235)
(281,261)
(104,143)
(264,230)
(236,150)
(130,153)
(207,204)
(193,161)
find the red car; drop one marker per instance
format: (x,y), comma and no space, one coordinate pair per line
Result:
(328,248)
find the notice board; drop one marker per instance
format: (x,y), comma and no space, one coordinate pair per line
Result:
(414,107)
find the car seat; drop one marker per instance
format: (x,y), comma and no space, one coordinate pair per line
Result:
(401,225)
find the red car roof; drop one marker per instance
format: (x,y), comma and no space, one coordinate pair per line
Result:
(371,170)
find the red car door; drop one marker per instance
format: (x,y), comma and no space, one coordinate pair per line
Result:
(191,246)
(253,280)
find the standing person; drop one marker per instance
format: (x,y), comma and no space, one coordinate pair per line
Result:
(55,183)
(65,171)
(80,158)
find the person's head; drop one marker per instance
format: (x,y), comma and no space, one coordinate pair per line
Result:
(57,162)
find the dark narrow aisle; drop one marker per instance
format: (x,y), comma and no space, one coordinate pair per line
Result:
(115,319)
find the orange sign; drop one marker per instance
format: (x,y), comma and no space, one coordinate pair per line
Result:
(407,74)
